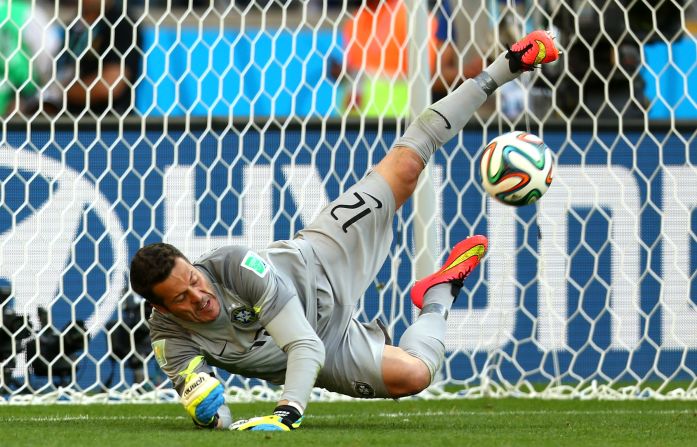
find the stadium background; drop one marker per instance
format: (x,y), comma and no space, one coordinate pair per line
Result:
(205,125)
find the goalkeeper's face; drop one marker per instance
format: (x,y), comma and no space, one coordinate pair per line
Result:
(187,294)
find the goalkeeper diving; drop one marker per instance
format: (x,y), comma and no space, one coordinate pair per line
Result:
(285,314)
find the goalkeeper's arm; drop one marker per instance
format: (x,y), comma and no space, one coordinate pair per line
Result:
(293,333)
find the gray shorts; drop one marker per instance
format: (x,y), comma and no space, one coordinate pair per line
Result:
(351,239)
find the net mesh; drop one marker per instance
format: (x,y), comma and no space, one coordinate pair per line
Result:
(209,123)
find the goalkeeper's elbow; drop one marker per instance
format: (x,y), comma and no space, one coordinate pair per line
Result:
(320,352)
(311,348)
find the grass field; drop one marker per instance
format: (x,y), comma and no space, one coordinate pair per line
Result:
(483,422)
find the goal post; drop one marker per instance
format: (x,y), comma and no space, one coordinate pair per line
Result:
(248,120)
(425,226)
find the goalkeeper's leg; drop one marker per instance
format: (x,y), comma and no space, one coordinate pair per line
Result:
(410,368)
(422,348)
(443,120)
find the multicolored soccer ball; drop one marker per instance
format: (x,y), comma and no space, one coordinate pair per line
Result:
(516,168)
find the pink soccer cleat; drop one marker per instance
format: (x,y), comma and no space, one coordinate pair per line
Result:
(464,257)
(532,50)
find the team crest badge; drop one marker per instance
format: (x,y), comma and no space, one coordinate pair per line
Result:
(363,389)
(244,315)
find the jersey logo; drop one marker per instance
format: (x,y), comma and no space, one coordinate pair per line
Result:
(253,262)
(158,348)
(260,338)
(363,389)
(244,315)
(447,123)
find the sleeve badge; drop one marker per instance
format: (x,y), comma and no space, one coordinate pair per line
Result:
(158,348)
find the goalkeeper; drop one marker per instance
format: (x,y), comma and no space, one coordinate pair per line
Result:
(285,314)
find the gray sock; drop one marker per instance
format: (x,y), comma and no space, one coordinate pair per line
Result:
(424,339)
(439,299)
(496,74)
(443,120)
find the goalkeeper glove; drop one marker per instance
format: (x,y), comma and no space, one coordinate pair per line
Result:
(284,418)
(202,397)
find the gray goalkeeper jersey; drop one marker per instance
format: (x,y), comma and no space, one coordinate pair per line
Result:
(252,289)
(328,266)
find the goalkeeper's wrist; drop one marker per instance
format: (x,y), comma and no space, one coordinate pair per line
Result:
(289,414)
(212,424)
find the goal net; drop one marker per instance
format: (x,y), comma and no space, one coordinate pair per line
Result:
(203,123)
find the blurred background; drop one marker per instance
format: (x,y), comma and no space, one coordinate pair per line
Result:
(307,58)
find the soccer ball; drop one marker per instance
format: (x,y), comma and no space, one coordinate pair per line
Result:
(516,168)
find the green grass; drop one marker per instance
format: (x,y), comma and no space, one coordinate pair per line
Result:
(482,422)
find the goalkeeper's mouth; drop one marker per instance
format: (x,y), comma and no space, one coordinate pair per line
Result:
(209,308)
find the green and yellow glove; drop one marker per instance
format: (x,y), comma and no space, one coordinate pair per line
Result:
(202,397)
(284,418)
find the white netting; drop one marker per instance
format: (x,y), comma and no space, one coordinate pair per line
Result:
(204,123)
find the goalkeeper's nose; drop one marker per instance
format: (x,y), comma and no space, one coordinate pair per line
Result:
(197,297)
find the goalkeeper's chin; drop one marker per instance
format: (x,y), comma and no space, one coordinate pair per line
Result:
(209,310)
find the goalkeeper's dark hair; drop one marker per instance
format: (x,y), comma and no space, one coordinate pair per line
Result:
(150,266)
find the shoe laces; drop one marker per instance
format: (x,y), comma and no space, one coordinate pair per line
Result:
(515,59)
(457,283)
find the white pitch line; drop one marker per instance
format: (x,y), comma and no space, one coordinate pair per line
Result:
(505,413)
(87,417)
(484,413)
